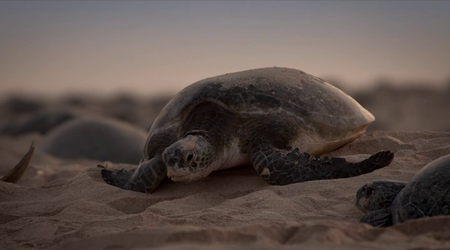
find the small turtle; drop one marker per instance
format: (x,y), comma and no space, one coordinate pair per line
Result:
(275,119)
(388,202)
(102,139)
(16,173)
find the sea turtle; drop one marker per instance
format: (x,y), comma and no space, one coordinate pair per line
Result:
(387,202)
(96,138)
(275,119)
(16,173)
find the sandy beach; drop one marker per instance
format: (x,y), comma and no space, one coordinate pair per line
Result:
(64,204)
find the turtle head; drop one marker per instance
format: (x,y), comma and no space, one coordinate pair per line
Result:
(189,158)
(377,195)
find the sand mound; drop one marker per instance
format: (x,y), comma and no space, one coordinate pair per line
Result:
(64,204)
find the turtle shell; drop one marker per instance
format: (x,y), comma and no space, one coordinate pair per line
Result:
(323,108)
(102,139)
(427,194)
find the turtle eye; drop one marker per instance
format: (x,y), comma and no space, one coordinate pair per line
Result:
(190,156)
(369,191)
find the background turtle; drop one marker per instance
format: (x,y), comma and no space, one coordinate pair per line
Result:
(102,139)
(390,202)
(274,119)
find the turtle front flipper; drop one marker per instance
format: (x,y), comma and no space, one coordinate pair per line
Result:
(282,167)
(118,178)
(378,218)
(146,178)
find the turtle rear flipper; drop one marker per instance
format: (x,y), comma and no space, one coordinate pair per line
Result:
(378,218)
(16,173)
(282,167)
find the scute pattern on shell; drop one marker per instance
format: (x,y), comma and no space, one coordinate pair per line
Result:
(326,110)
(427,194)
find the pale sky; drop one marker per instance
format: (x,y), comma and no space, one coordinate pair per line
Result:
(154,46)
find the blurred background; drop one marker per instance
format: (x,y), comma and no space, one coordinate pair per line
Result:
(126,59)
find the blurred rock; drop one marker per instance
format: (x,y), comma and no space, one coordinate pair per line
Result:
(21,104)
(41,122)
